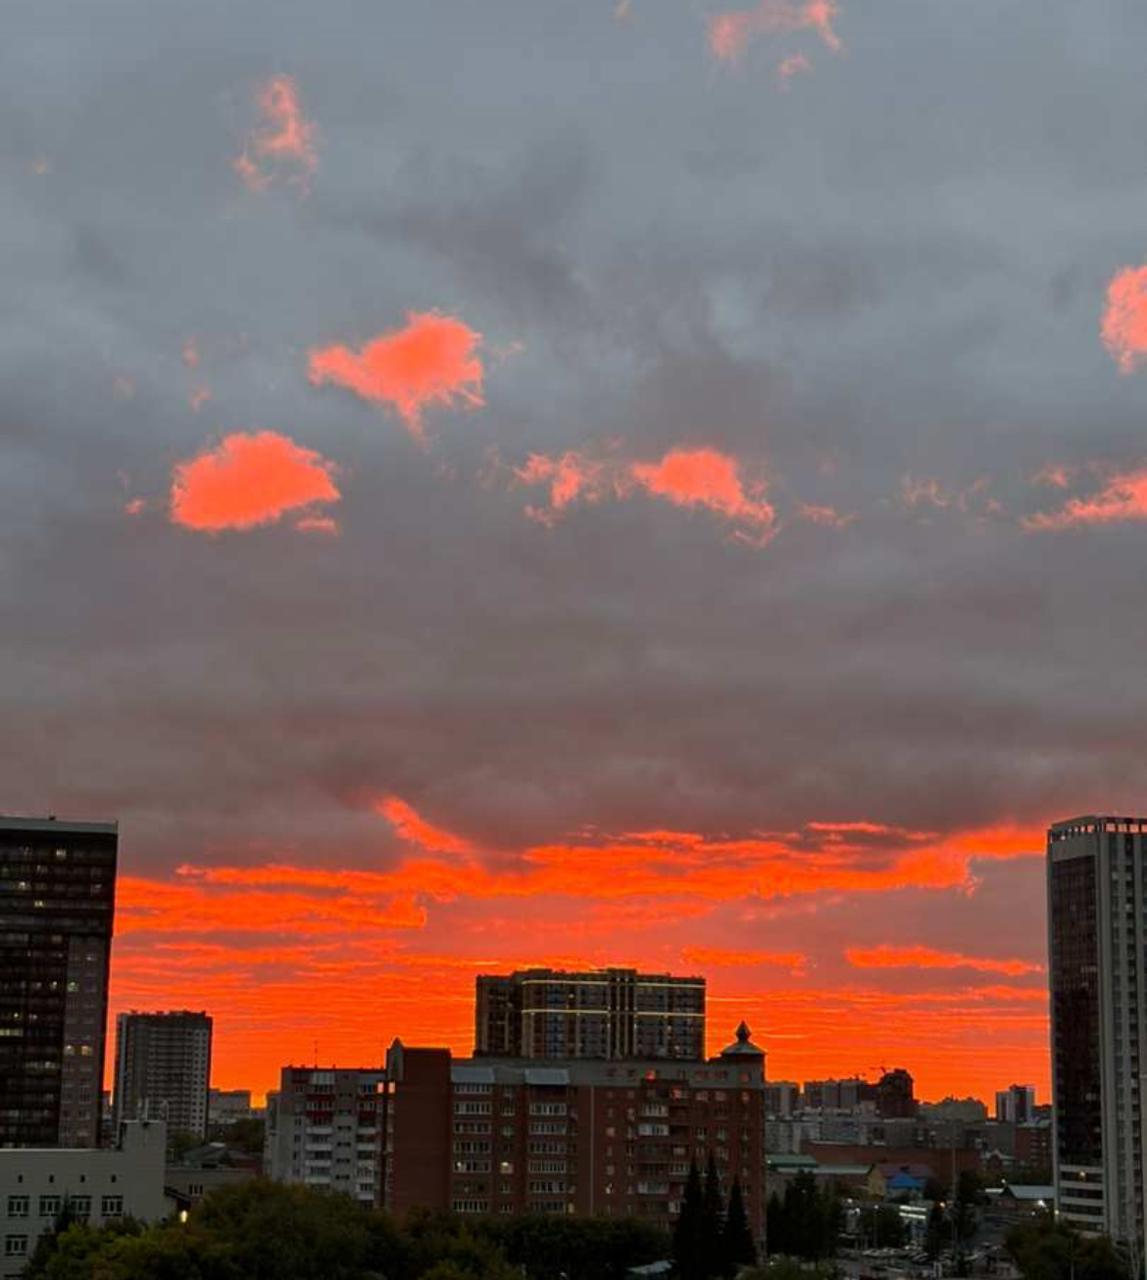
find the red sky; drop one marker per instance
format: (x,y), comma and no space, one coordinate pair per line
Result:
(289,955)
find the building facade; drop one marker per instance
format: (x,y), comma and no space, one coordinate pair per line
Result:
(96,1186)
(603,1014)
(614,1138)
(163,1069)
(57,903)
(1016,1104)
(324,1130)
(1097,929)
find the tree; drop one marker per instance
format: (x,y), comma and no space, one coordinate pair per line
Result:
(713,1219)
(1044,1249)
(934,1231)
(689,1231)
(882,1227)
(807,1222)
(737,1246)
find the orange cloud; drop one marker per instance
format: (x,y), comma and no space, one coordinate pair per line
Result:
(571,477)
(1123,498)
(190,353)
(720,958)
(410,825)
(1124,324)
(433,360)
(827,516)
(730,33)
(885,957)
(706,478)
(285,140)
(248,480)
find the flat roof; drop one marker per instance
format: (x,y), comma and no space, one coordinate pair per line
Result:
(58,824)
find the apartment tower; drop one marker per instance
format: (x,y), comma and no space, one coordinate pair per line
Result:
(1097,930)
(603,1014)
(163,1069)
(57,902)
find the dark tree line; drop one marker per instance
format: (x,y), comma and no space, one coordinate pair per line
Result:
(266,1231)
(806,1222)
(1047,1250)
(711,1239)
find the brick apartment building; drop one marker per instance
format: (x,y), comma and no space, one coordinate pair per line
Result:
(616,1138)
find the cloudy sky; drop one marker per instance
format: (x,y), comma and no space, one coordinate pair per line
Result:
(487,484)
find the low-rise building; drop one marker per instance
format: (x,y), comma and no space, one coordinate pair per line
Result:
(96,1186)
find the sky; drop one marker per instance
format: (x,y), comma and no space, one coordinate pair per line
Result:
(607,483)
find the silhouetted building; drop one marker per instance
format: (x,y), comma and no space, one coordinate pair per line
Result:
(163,1069)
(57,903)
(895,1099)
(324,1130)
(613,1138)
(1097,929)
(837,1095)
(1016,1104)
(606,1013)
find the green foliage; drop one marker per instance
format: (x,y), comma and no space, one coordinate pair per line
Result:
(578,1248)
(244,1135)
(934,1232)
(882,1227)
(266,1231)
(689,1231)
(738,1248)
(807,1222)
(180,1142)
(1046,1250)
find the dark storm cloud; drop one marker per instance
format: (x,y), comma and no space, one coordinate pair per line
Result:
(895,267)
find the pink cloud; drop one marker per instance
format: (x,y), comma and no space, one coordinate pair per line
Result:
(285,141)
(730,33)
(1124,325)
(1123,498)
(794,65)
(433,360)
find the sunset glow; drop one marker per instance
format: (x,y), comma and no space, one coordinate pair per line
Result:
(284,143)
(248,480)
(730,33)
(433,360)
(1124,325)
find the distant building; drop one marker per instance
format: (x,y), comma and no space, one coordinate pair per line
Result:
(837,1095)
(895,1099)
(226,1106)
(324,1130)
(57,881)
(612,1138)
(782,1099)
(1016,1104)
(96,1186)
(1097,940)
(970,1111)
(604,1014)
(163,1069)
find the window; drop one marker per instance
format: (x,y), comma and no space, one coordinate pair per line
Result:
(81,1206)
(15,1246)
(17,1206)
(49,1206)
(112,1206)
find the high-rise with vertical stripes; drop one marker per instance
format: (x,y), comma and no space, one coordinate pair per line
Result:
(1097,948)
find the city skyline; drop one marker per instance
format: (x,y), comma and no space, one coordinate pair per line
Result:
(511,484)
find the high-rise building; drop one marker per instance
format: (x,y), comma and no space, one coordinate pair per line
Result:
(57,903)
(609,1138)
(1016,1104)
(163,1069)
(324,1130)
(605,1013)
(1097,931)
(895,1096)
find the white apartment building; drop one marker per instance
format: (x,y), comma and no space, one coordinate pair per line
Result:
(97,1185)
(324,1130)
